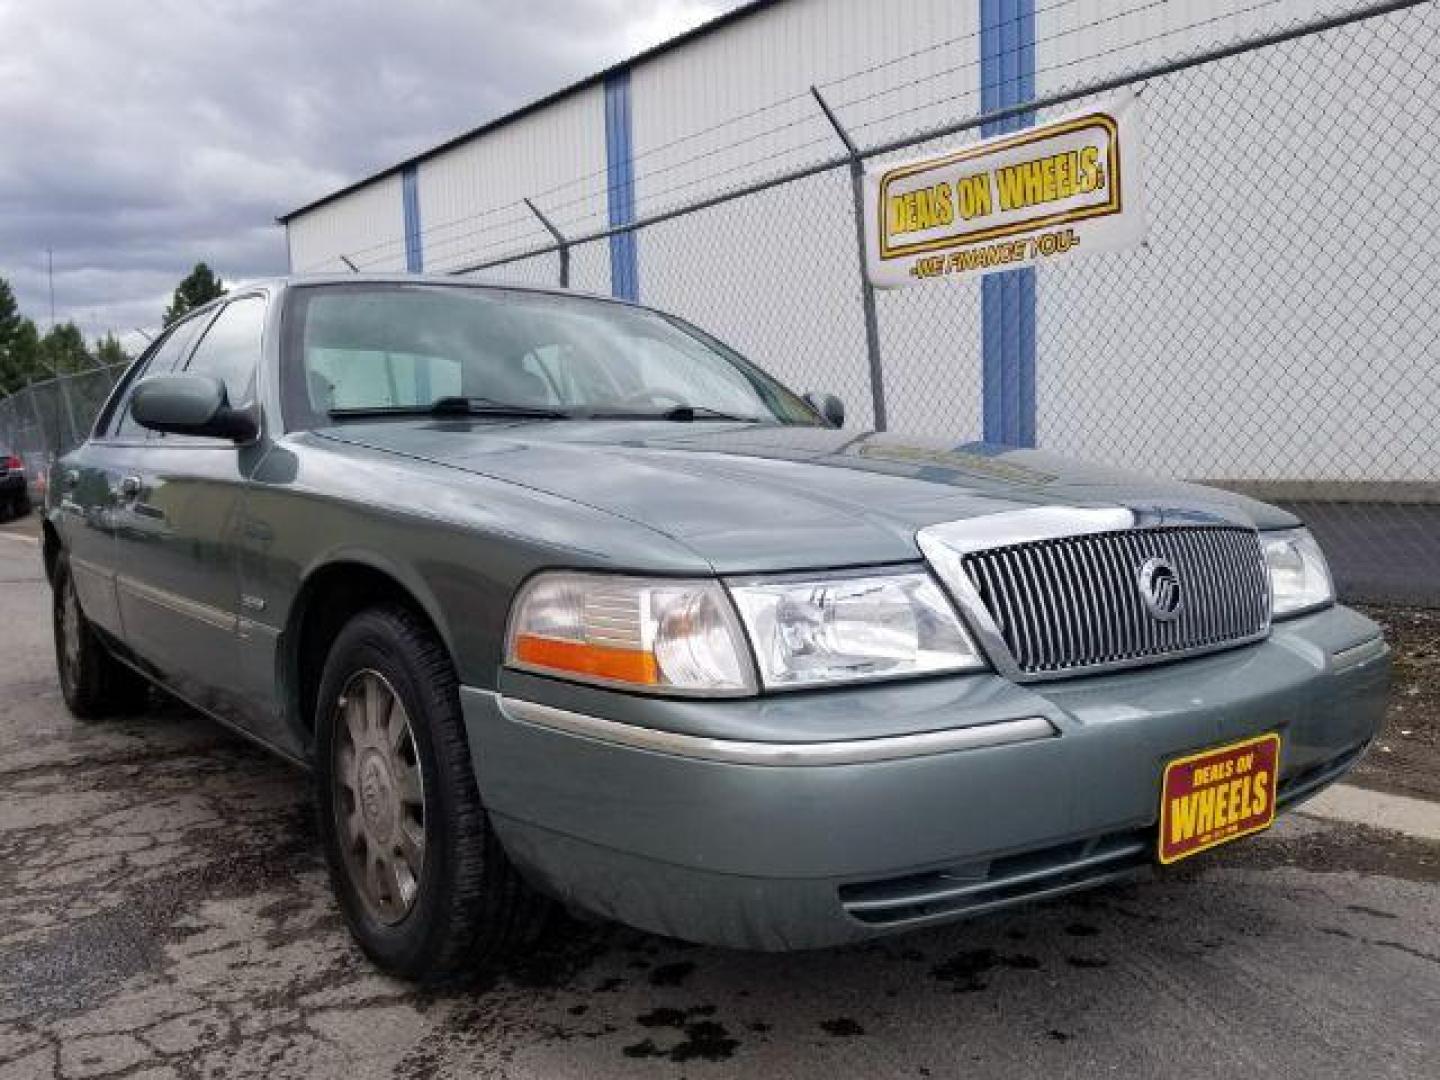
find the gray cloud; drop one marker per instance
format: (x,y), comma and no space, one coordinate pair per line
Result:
(143,135)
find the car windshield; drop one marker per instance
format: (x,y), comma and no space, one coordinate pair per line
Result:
(375,349)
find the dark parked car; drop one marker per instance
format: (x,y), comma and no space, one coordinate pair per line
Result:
(562,599)
(14,487)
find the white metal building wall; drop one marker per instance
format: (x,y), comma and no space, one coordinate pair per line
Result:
(490,176)
(364,225)
(801,313)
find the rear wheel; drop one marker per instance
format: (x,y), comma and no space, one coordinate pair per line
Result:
(92,682)
(419,874)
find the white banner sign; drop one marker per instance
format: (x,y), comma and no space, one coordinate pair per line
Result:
(1068,187)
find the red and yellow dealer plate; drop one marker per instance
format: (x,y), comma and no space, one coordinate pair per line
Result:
(1218,795)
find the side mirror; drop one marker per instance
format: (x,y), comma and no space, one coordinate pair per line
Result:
(830,407)
(190,405)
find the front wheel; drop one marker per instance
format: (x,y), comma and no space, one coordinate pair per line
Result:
(420,876)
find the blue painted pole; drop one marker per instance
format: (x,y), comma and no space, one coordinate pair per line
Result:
(410,198)
(620,187)
(1007,300)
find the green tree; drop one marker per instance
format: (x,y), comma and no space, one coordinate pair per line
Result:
(19,344)
(10,316)
(199,287)
(10,320)
(64,351)
(109,352)
(20,358)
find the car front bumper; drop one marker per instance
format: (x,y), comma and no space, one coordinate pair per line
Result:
(702,821)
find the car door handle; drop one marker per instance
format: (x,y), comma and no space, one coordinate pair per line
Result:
(129,488)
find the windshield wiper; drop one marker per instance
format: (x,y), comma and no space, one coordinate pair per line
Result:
(704,412)
(454,406)
(679,412)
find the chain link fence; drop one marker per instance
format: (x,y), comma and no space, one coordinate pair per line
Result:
(48,418)
(1274,334)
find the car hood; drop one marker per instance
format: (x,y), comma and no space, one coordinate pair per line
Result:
(764,498)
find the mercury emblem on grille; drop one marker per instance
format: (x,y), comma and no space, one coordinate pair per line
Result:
(1160,589)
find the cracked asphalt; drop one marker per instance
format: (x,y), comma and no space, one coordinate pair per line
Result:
(164,913)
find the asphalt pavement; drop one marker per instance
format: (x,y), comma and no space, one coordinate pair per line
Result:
(164,913)
(1379,552)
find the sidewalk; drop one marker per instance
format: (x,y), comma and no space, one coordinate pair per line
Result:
(1418,819)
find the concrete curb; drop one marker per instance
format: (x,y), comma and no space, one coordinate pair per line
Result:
(1352,805)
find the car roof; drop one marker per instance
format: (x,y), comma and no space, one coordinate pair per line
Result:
(449,280)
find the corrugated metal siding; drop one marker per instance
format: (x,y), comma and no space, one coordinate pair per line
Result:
(555,157)
(778,275)
(732,106)
(368,226)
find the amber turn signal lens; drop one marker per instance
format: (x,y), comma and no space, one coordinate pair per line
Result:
(592,661)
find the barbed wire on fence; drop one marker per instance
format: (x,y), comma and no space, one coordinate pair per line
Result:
(395,244)
(383,252)
(391,247)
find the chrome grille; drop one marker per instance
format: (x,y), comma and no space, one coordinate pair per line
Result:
(1074,602)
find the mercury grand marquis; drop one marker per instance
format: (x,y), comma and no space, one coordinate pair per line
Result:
(562,600)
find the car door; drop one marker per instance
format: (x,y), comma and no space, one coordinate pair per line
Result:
(90,480)
(176,536)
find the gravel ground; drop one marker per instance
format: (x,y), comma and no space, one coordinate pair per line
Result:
(164,914)
(1406,760)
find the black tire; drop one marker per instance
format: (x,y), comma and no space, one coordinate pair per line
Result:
(93,683)
(468,905)
(22,506)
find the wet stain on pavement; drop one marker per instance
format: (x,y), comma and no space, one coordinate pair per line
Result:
(676,1018)
(704,1041)
(672,974)
(963,971)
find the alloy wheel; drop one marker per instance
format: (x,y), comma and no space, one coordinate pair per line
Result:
(378,796)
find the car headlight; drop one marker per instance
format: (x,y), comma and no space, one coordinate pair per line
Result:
(816,630)
(1299,579)
(651,634)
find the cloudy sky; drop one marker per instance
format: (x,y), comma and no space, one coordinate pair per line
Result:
(139,136)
